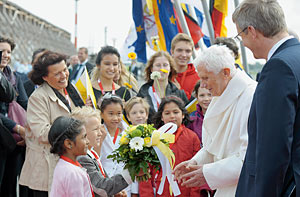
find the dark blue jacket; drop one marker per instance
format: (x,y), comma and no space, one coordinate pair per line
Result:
(272,162)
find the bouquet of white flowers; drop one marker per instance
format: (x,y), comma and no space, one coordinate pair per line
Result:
(137,152)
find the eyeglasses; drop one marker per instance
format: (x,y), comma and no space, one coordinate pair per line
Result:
(238,36)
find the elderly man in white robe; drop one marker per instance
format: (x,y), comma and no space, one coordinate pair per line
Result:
(224,131)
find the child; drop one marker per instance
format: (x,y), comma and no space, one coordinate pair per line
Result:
(67,138)
(95,131)
(137,110)
(186,145)
(204,97)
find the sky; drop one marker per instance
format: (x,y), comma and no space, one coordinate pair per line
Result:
(116,15)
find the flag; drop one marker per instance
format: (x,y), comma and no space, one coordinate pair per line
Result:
(219,10)
(194,27)
(140,43)
(192,106)
(85,88)
(166,22)
(128,44)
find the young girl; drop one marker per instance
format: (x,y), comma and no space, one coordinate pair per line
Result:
(101,182)
(111,110)
(186,145)
(203,97)
(107,65)
(137,110)
(67,138)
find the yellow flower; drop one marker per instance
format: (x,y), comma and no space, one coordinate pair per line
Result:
(124,139)
(128,85)
(131,129)
(147,141)
(132,55)
(164,70)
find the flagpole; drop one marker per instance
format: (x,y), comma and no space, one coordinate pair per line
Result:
(75,33)
(209,22)
(243,50)
(183,23)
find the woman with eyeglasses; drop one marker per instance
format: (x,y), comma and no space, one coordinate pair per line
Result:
(54,97)
(107,65)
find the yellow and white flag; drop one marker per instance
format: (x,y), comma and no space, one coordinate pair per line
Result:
(85,88)
(192,106)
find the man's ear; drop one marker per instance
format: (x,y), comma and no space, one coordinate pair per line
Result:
(226,72)
(252,31)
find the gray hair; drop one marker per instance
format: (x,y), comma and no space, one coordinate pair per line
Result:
(216,58)
(266,16)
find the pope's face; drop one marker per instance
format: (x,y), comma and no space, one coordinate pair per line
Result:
(215,83)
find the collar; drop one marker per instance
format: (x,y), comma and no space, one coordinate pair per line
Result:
(236,86)
(277,45)
(83,63)
(90,154)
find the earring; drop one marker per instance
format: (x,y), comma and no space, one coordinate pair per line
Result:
(70,146)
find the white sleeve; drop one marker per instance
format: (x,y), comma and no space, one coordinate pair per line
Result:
(224,172)
(202,157)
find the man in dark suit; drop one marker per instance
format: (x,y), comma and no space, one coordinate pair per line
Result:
(272,163)
(79,68)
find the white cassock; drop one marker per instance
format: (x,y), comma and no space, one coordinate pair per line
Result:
(225,136)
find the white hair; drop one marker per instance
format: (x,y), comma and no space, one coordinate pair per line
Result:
(216,58)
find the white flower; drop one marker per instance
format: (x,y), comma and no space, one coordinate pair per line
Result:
(136,143)
(155,75)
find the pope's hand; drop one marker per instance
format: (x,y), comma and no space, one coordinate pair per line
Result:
(195,177)
(182,169)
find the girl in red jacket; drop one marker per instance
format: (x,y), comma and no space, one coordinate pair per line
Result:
(186,145)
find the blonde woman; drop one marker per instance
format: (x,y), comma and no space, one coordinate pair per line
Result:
(154,90)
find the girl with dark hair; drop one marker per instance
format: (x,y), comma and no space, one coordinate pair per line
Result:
(68,139)
(111,110)
(203,97)
(186,145)
(107,65)
(54,97)
(156,89)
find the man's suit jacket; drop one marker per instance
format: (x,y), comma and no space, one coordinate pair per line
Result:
(111,185)
(273,156)
(29,87)
(88,66)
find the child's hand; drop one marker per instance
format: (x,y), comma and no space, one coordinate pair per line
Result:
(121,194)
(88,101)
(104,133)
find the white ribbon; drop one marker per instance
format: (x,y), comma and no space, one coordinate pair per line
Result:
(165,164)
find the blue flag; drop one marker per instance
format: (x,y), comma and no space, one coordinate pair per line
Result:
(167,20)
(140,43)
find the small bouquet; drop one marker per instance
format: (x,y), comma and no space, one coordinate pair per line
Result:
(137,150)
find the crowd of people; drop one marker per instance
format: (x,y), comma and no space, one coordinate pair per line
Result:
(241,140)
